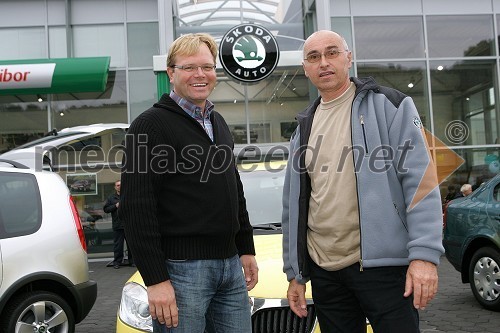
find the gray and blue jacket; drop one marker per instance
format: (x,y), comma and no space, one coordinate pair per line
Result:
(398,197)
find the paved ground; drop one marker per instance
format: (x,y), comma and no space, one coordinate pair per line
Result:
(110,281)
(454,310)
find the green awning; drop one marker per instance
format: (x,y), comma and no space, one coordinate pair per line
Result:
(53,76)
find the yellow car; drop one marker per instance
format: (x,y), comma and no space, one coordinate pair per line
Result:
(263,186)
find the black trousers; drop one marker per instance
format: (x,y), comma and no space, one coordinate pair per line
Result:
(118,247)
(345,298)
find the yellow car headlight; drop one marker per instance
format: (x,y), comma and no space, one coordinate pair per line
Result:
(134,308)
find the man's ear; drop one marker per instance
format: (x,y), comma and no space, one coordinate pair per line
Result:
(170,73)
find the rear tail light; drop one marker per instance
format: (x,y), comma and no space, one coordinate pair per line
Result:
(78,223)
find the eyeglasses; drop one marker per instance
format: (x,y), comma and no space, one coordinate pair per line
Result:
(191,68)
(329,54)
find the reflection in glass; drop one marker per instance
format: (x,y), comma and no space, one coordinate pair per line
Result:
(143,93)
(22,118)
(283,18)
(481,164)
(389,37)
(464,103)
(407,77)
(109,106)
(460,36)
(271,102)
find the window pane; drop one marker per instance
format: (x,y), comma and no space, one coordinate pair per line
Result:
(23,43)
(142,91)
(342,26)
(389,37)
(272,105)
(97,11)
(407,77)
(460,36)
(142,43)
(22,119)
(142,10)
(96,41)
(57,42)
(464,110)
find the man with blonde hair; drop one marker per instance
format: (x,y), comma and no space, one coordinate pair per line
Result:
(183,205)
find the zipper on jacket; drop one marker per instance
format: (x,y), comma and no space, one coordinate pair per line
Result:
(362,121)
(399,215)
(357,193)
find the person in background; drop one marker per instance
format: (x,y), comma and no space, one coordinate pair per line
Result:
(452,192)
(361,205)
(466,189)
(112,206)
(183,203)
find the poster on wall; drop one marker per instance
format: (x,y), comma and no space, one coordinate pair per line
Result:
(82,183)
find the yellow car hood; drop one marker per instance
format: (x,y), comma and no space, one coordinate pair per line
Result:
(272,280)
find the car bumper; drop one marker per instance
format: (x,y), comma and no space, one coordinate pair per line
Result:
(85,295)
(121,327)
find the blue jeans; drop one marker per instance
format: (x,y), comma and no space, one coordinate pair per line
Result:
(211,296)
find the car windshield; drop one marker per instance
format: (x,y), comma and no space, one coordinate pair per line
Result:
(263,193)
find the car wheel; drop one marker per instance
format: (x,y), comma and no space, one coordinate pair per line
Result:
(38,311)
(484,277)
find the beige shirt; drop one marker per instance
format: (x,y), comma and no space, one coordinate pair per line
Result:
(333,237)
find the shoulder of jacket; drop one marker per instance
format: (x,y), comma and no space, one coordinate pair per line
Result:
(369,84)
(395,96)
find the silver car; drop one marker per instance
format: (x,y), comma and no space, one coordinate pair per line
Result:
(44,277)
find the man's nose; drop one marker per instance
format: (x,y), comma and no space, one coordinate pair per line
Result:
(199,71)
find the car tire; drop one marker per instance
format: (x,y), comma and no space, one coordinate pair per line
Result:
(484,277)
(19,314)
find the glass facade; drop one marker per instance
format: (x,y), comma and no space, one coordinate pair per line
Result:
(443,54)
(448,63)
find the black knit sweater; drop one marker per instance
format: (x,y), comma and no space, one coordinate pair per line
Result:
(181,195)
